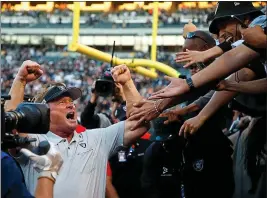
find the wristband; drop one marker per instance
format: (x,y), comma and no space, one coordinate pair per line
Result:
(225,46)
(190,83)
(49,175)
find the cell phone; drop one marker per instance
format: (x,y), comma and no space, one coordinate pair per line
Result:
(243,25)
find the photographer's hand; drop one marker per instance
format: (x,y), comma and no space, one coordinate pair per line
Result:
(47,165)
(94,95)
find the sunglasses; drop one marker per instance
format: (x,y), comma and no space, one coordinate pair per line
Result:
(191,35)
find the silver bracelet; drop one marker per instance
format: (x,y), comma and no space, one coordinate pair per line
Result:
(155,106)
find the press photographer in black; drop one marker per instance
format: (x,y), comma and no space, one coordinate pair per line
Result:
(163,161)
(104,87)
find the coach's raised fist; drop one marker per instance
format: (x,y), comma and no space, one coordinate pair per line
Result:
(121,74)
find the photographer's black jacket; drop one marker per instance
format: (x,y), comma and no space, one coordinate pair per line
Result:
(89,119)
(161,172)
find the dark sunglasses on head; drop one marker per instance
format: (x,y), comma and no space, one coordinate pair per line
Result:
(191,35)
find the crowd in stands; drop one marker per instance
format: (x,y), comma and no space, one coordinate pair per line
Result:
(121,19)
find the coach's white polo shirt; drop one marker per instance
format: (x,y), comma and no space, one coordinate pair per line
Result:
(83,174)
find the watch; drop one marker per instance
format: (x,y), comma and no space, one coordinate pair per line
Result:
(48,174)
(190,83)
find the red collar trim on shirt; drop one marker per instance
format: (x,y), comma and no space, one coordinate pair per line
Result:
(80,129)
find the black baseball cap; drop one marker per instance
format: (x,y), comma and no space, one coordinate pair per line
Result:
(61,90)
(225,9)
(161,132)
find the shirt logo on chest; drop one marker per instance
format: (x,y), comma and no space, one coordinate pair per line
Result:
(165,172)
(198,165)
(83,145)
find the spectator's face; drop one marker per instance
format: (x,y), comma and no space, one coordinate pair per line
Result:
(228,29)
(63,115)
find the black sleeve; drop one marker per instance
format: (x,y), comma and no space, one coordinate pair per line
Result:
(150,174)
(89,119)
(225,46)
(258,68)
(260,51)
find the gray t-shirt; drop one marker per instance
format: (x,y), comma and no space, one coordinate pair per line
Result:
(83,174)
(203,100)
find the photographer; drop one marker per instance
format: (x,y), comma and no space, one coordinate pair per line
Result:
(12,179)
(89,119)
(85,155)
(162,167)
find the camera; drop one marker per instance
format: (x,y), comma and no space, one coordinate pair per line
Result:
(105,85)
(27,118)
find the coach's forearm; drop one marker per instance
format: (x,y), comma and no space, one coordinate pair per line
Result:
(131,95)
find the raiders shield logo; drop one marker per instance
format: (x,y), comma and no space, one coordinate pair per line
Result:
(198,165)
(83,145)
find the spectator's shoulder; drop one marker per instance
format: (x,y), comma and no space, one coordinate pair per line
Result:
(260,20)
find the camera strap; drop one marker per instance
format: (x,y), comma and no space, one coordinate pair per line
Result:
(182,175)
(182,169)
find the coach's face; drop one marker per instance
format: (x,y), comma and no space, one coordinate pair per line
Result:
(63,115)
